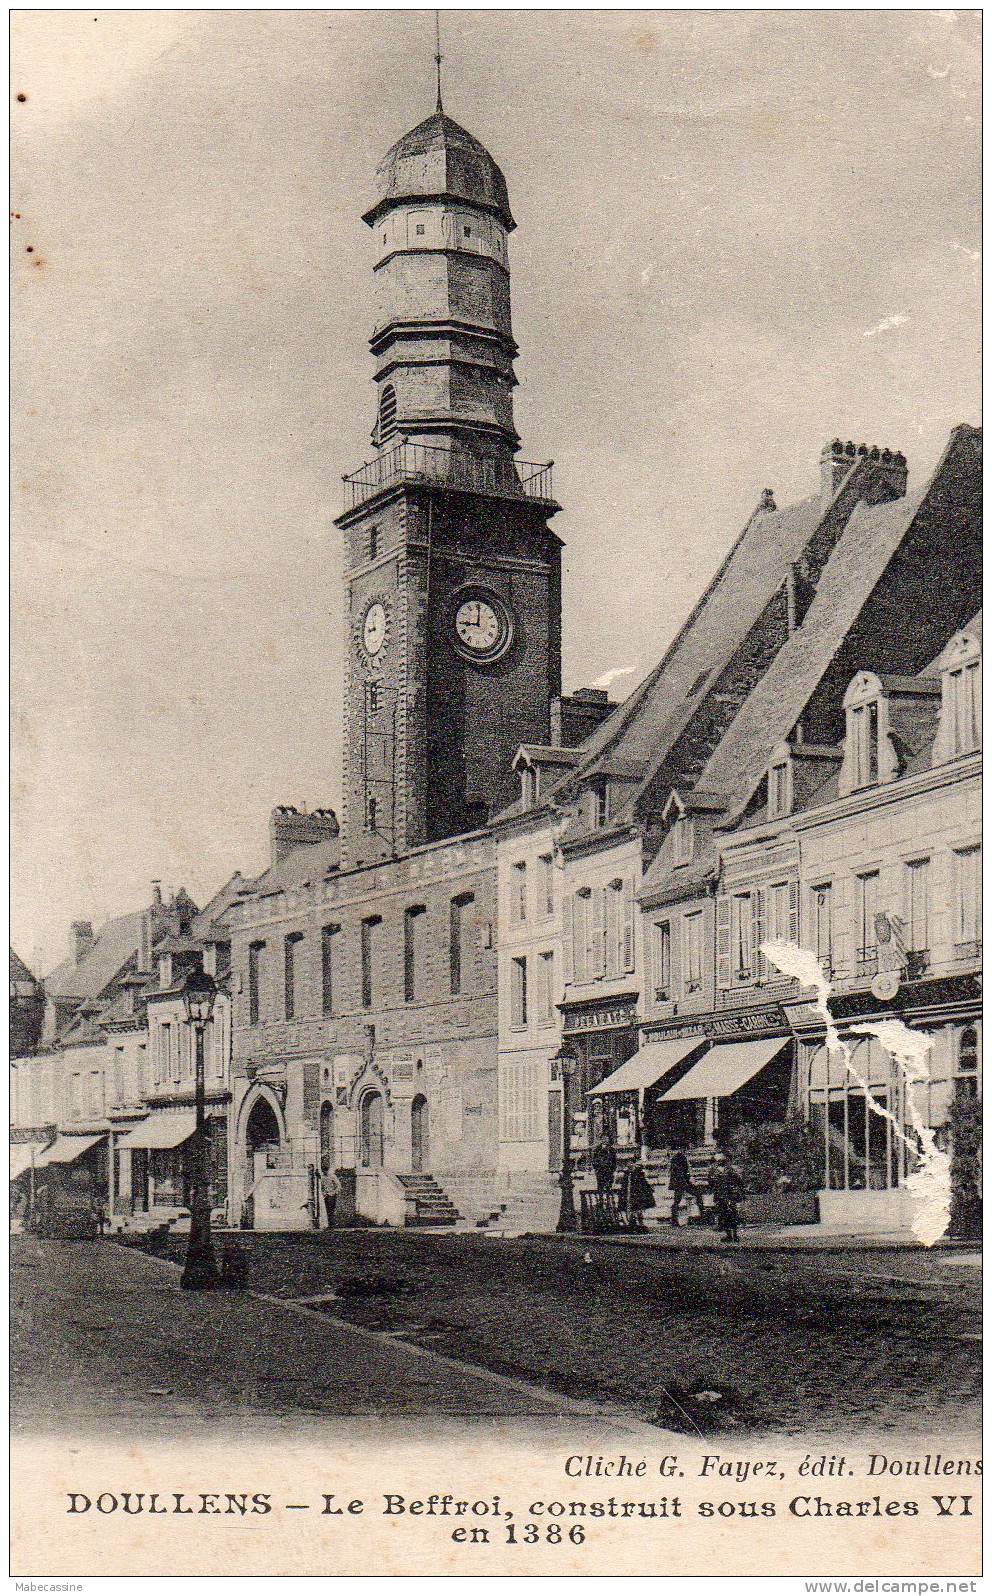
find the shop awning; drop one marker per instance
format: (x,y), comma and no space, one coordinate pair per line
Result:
(66,1149)
(160,1130)
(20,1157)
(648,1065)
(725,1069)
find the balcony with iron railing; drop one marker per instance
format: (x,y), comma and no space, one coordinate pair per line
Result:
(430,465)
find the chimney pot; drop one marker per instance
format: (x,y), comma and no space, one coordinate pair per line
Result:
(81,932)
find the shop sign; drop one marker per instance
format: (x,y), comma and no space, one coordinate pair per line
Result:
(712,1026)
(610,1016)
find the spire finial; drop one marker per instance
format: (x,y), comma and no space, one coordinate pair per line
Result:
(438,58)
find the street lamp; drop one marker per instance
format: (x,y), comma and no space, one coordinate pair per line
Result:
(568,1062)
(200,1269)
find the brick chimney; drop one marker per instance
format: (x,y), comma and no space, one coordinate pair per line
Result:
(574,717)
(81,939)
(838,459)
(291,828)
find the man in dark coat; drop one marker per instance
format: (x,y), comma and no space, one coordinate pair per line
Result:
(680,1183)
(604,1165)
(728,1189)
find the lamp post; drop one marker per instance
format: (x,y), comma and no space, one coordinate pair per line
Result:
(567,1062)
(200,1268)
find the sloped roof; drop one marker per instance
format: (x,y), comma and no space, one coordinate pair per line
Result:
(19,970)
(113,946)
(202,927)
(856,565)
(643,728)
(438,157)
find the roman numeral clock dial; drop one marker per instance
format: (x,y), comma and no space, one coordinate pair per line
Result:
(482,628)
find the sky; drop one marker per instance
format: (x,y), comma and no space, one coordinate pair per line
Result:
(739,235)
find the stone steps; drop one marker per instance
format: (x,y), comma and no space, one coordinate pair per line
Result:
(430,1204)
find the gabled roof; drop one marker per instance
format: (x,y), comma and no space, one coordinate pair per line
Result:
(114,944)
(870,542)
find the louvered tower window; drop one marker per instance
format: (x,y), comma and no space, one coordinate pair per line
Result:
(387,412)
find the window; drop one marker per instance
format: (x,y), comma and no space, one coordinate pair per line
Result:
(741,925)
(528,787)
(546,884)
(217,1031)
(963,708)
(76,1096)
(371,812)
(863,729)
(289,968)
(119,1094)
(546,991)
(370,929)
(414,927)
(581,925)
(662,939)
(328,961)
(968,898)
(778,912)
(420,229)
(387,412)
(518,993)
(823,925)
(520,1103)
(601,801)
(142,1069)
(175,1052)
(255,956)
(966,1081)
(684,840)
(161,1054)
(467,231)
(917,915)
(372,698)
(373,542)
(459,942)
(778,790)
(519,891)
(867,910)
(692,952)
(96,1094)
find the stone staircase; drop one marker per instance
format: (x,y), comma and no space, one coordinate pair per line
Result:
(427,1203)
(531,1204)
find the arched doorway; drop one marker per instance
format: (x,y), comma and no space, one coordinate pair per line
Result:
(261,1143)
(371,1119)
(327,1134)
(420,1139)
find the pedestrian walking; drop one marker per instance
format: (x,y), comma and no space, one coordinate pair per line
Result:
(638,1196)
(604,1165)
(727,1189)
(330,1186)
(680,1184)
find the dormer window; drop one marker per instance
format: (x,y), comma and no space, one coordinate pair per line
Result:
(683,840)
(960,730)
(868,753)
(779,787)
(600,791)
(528,787)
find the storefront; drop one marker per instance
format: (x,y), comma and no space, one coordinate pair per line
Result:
(602,1037)
(155,1162)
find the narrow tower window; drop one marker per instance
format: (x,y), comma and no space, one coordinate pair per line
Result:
(387,412)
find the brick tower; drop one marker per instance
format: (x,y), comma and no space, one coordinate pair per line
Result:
(452,574)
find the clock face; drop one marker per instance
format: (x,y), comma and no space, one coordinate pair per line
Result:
(374,628)
(482,629)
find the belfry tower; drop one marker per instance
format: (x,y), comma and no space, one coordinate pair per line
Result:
(452,573)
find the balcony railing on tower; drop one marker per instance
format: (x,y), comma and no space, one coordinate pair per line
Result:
(448,468)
